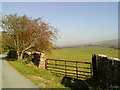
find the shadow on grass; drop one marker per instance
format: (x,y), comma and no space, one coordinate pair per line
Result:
(88,84)
(10,59)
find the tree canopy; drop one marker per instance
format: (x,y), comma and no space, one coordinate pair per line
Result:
(23,33)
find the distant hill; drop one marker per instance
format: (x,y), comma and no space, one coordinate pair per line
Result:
(107,43)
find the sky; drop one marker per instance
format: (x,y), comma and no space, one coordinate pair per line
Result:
(78,22)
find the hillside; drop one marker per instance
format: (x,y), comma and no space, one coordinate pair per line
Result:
(107,43)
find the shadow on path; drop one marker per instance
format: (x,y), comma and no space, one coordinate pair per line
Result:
(21,89)
(2,58)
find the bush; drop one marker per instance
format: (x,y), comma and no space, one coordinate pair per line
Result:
(12,54)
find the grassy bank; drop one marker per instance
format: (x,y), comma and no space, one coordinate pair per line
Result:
(42,78)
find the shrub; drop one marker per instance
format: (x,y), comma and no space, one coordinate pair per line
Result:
(12,54)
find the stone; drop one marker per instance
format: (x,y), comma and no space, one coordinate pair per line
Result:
(108,69)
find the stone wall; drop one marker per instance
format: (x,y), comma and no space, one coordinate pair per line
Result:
(38,58)
(42,60)
(108,70)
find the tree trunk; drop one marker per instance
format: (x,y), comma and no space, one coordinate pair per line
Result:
(20,56)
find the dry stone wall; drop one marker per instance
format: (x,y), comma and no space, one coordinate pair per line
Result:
(108,69)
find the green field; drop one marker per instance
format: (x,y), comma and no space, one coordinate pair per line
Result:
(82,53)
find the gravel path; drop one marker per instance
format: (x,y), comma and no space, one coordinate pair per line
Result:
(11,78)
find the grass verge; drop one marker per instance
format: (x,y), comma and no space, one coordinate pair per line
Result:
(41,77)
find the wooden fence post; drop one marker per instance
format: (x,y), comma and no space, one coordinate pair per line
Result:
(46,61)
(65,69)
(94,66)
(76,70)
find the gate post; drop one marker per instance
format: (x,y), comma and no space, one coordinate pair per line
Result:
(94,66)
(46,61)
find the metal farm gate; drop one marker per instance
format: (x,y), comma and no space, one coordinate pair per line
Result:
(74,69)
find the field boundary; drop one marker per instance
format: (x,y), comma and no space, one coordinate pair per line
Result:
(78,70)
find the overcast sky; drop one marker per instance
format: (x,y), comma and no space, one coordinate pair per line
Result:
(77,22)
